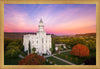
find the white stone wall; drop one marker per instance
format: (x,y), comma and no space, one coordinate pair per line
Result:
(40,41)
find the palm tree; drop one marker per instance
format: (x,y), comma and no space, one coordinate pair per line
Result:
(34,49)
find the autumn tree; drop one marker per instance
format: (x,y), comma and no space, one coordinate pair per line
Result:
(80,50)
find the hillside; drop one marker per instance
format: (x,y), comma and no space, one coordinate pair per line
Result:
(19,35)
(15,35)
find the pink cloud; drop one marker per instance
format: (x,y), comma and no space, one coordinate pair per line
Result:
(70,20)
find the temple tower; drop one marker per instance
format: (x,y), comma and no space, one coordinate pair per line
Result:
(41,26)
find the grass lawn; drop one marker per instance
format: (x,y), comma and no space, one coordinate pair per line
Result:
(71,58)
(58,62)
(11,61)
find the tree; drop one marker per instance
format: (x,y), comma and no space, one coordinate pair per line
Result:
(13,43)
(91,45)
(53,44)
(6,43)
(32,59)
(51,49)
(13,48)
(34,49)
(76,40)
(80,50)
(29,48)
(21,47)
(12,51)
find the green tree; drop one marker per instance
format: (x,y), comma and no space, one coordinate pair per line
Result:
(6,43)
(13,43)
(12,51)
(14,46)
(53,44)
(91,45)
(29,48)
(51,49)
(34,49)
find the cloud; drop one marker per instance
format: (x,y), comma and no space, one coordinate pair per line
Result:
(58,19)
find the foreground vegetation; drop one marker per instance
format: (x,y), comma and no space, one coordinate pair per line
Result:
(14,47)
(11,61)
(56,61)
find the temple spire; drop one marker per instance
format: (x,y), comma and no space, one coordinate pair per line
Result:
(41,20)
(41,26)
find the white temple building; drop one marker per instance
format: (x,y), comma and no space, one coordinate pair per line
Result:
(41,41)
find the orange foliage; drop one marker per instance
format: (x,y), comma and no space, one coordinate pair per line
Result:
(80,50)
(32,59)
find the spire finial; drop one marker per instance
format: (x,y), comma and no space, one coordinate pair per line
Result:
(41,20)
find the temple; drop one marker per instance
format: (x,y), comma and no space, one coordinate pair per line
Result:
(41,41)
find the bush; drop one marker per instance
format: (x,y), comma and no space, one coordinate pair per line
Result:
(32,59)
(34,49)
(91,45)
(17,43)
(71,59)
(62,55)
(80,50)
(11,53)
(53,62)
(66,57)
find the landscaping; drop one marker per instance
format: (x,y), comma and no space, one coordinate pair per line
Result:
(32,59)
(56,61)
(78,50)
(71,58)
(11,61)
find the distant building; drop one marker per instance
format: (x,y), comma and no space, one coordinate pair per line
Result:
(57,45)
(41,41)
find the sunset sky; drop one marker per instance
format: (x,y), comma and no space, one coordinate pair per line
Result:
(59,19)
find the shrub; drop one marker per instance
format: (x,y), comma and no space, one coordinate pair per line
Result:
(32,59)
(65,57)
(71,59)
(53,62)
(61,55)
(91,45)
(48,60)
(80,50)
(11,53)
(34,49)
(51,49)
